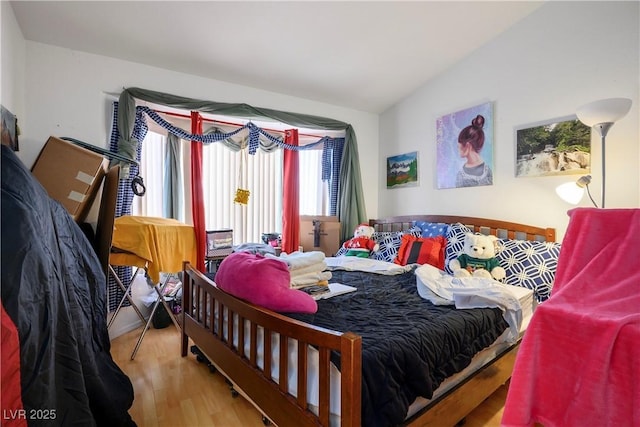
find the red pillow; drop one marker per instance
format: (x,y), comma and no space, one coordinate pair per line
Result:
(264,282)
(421,250)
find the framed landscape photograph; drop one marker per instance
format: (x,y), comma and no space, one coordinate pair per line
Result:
(402,170)
(555,147)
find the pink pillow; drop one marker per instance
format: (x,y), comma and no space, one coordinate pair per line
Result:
(264,282)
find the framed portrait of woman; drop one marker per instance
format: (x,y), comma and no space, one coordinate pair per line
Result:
(464,143)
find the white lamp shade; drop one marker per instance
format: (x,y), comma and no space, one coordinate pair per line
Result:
(603,111)
(570,192)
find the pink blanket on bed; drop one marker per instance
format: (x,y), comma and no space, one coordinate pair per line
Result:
(579,361)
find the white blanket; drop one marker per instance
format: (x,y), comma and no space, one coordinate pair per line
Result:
(470,292)
(297,260)
(315,268)
(354,263)
(310,278)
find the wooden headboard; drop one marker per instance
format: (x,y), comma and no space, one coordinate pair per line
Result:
(502,229)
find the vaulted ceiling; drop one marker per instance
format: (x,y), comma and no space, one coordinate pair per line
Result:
(365,55)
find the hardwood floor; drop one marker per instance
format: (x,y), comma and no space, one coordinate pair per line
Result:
(171,391)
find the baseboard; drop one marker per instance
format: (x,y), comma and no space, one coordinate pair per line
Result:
(126,321)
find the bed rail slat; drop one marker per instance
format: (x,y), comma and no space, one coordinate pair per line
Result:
(241,325)
(253,345)
(324,385)
(230,333)
(302,373)
(284,364)
(220,322)
(198,303)
(207,309)
(266,345)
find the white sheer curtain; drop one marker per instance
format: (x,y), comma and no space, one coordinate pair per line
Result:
(314,193)
(151,169)
(263,178)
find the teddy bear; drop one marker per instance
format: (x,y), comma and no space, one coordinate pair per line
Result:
(362,243)
(478,258)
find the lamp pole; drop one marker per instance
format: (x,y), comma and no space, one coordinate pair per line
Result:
(602,115)
(603,129)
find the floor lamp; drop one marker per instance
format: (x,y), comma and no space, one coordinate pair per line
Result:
(601,115)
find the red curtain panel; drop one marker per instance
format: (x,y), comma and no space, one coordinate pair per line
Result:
(197,198)
(291,195)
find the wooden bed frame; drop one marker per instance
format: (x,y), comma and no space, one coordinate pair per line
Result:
(215,338)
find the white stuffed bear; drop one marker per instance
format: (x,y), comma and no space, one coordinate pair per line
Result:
(478,258)
(361,244)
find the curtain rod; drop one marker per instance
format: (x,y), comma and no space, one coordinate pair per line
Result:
(231,123)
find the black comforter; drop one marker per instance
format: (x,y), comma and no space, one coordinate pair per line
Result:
(53,289)
(409,346)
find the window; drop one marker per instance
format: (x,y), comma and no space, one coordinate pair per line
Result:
(224,171)
(314,193)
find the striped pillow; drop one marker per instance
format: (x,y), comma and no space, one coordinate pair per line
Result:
(421,250)
(389,243)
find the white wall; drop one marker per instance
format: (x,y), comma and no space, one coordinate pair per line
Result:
(13,62)
(563,55)
(65,96)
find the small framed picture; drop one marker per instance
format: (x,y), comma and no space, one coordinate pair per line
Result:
(555,147)
(402,170)
(9,128)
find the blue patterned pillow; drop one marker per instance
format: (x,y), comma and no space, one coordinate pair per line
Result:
(341,251)
(432,229)
(390,242)
(530,264)
(455,243)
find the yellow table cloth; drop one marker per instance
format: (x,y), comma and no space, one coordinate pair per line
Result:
(162,243)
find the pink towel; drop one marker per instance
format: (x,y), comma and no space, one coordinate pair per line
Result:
(579,361)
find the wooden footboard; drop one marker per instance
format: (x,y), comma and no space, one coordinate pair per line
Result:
(215,337)
(208,317)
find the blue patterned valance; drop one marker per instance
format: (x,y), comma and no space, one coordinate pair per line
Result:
(331,147)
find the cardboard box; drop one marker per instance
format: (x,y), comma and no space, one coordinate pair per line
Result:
(70,174)
(320,233)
